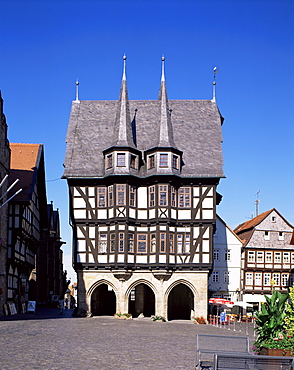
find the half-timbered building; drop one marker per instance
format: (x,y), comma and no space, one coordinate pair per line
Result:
(267,256)
(142,179)
(27,218)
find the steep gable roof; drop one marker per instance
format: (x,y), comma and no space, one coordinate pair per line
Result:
(253,222)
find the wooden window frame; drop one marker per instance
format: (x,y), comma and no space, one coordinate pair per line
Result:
(284,279)
(109,161)
(175,162)
(121,242)
(184,197)
(227,255)
(277,278)
(266,279)
(121,159)
(261,255)
(268,254)
(102,243)
(226,277)
(216,254)
(288,259)
(249,278)
(133,161)
(163,195)
(173,197)
(142,241)
(101,192)
(162,245)
(151,196)
(215,277)
(171,243)
(187,243)
(163,160)
(112,242)
(276,259)
(110,196)
(258,281)
(131,242)
(151,161)
(120,188)
(153,243)
(132,196)
(249,258)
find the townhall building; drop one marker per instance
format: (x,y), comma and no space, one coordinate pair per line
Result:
(142,178)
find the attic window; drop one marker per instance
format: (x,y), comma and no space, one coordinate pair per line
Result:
(109,162)
(151,161)
(175,163)
(163,160)
(133,161)
(273,219)
(121,159)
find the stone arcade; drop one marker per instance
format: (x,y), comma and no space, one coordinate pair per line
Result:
(142,179)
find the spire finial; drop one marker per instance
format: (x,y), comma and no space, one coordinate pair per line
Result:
(215,70)
(124,72)
(162,68)
(77,90)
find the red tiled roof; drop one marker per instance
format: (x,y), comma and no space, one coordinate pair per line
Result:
(253,222)
(24,156)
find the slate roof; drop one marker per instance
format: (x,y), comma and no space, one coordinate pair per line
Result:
(196,132)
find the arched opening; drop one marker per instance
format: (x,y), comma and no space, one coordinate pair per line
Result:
(103,301)
(180,303)
(142,300)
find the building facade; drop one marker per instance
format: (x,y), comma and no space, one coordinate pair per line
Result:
(142,179)
(225,279)
(4,170)
(27,218)
(268,256)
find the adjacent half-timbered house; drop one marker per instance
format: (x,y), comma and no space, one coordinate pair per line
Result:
(27,218)
(142,179)
(267,257)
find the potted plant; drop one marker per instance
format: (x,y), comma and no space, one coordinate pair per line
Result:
(158,318)
(123,316)
(199,320)
(273,338)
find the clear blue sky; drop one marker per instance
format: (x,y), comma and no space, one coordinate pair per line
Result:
(46,45)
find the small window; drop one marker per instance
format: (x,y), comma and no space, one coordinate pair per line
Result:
(259,256)
(151,196)
(215,277)
(133,162)
(121,195)
(163,195)
(109,161)
(180,243)
(110,196)
(276,278)
(277,257)
(151,161)
(163,160)
(142,243)
(171,243)
(273,219)
(216,255)
(187,244)
(249,278)
(131,242)
(266,279)
(251,256)
(175,162)
(153,243)
(184,195)
(285,279)
(281,235)
(226,277)
(121,242)
(227,255)
(162,242)
(101,197)
(286,257)
(266,235)
(102,243)
(121,159)
(112,242)
(173,197)
(268,257)
(132,196)
(257,277)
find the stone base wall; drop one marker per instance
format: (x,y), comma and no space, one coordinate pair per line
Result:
(161,283)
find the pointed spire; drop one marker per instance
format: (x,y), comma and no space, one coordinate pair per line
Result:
(215,70)
(77,91)
(124,134)
(165,128)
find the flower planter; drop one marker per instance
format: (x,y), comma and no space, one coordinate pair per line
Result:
(275,352)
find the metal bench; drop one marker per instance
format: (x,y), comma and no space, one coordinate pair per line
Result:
(207,345)
(253,362)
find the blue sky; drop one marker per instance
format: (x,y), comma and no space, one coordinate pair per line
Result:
(46,45)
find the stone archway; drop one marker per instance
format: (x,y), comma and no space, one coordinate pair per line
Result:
(180,303)
(103,301)
(142,301)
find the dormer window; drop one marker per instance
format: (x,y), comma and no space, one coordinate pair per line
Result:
(121,159)
(163,160)
(109,161)
(151,161)
(175,162)
(133,161)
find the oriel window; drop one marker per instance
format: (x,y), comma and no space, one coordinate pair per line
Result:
(102,243)
(153,243)
(131,242)
(171,243)
(121,242)
(133,162)
(151,196)
(173,197)
(112,242)
(175,162)
(110,196)
(162,242)
(109,161)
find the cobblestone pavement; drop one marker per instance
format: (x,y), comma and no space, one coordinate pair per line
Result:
(47,340)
